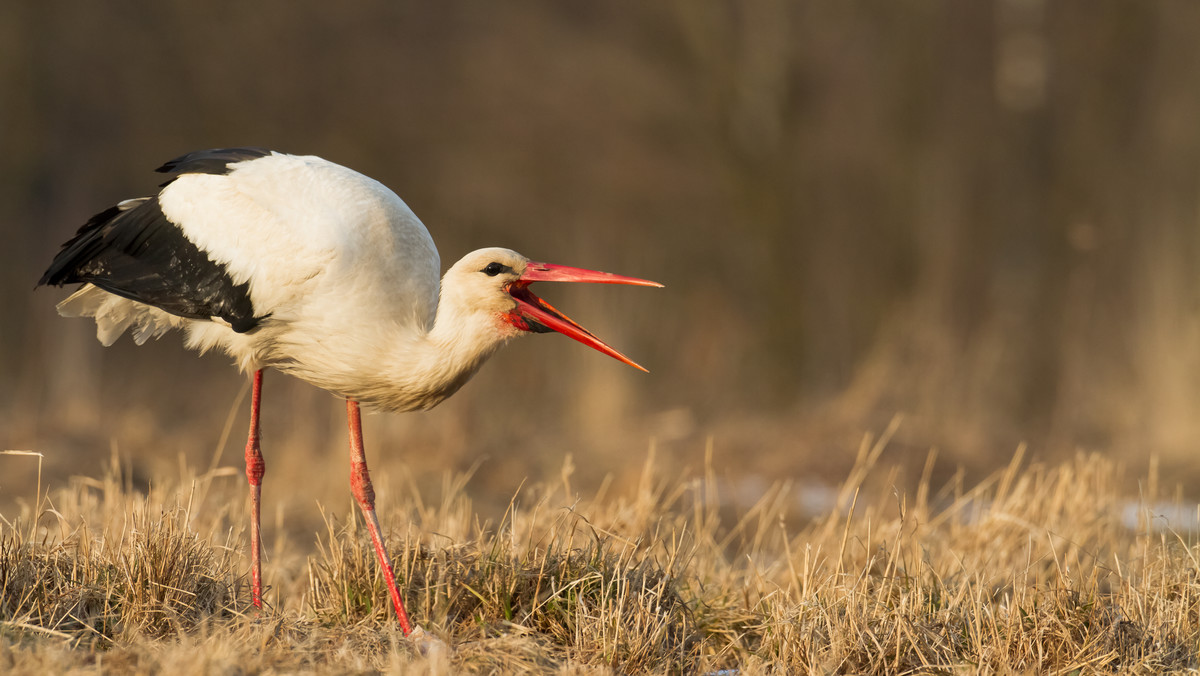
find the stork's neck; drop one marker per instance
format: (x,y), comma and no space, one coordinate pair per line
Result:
(422,372)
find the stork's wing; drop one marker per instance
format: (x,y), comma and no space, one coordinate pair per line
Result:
(133,250)
(215,161)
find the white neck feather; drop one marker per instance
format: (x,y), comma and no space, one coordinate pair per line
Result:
(422,371)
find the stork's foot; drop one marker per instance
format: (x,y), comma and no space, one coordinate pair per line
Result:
(427,644)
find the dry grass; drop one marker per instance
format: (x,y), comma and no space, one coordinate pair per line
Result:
(1031,571)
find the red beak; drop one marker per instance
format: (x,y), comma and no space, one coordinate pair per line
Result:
(535,314)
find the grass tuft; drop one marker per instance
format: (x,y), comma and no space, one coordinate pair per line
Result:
(592,598)
(154,579)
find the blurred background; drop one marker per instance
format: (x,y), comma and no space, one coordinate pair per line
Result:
(981,216)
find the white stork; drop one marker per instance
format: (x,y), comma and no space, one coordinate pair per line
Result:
(305,266)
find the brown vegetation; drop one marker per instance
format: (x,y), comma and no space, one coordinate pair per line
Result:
(1030,571)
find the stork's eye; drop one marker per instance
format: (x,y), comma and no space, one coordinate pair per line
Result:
(494,269)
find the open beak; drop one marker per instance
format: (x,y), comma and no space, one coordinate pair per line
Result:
(534,314)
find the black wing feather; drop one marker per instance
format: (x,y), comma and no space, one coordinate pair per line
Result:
(214,161)
(133,250)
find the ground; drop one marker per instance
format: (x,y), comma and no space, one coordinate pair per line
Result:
(1039,569)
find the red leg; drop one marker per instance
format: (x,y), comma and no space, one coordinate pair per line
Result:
(364,493)
(255,468)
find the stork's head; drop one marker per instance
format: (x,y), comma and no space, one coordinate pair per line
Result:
(496,281)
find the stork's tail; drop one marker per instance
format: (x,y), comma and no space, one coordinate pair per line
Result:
(114,315)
